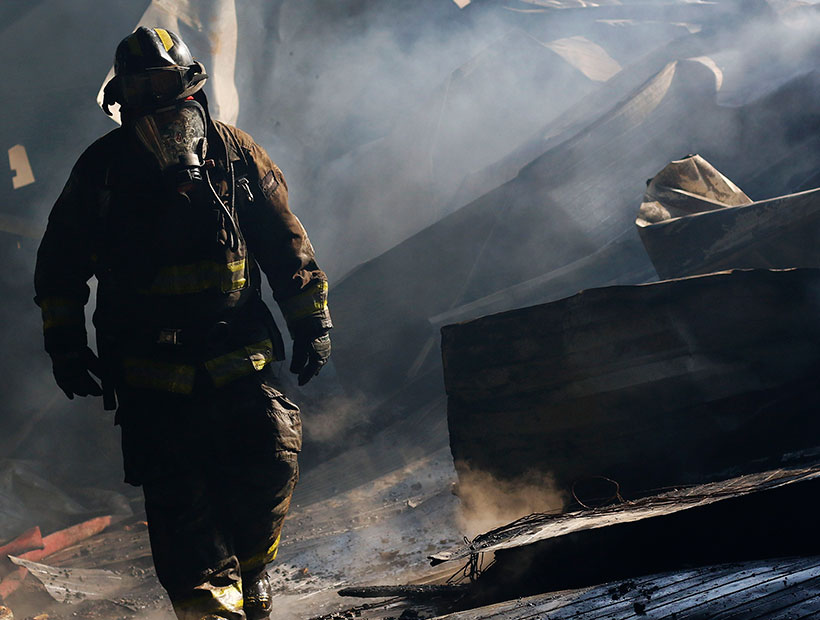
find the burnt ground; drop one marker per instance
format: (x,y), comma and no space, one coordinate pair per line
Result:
(380,532)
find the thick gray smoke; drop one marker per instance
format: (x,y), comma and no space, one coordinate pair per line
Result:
(377,111)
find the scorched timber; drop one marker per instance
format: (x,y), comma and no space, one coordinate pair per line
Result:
(777,233)
(775,589)
(655,385)
(763,515)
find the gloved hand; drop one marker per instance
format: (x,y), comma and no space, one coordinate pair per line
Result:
(309,355)
(71,371)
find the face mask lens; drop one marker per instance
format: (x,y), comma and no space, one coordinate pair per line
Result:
(174,135)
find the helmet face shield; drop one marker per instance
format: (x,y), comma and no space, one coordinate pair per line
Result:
(175,136)
(153,87)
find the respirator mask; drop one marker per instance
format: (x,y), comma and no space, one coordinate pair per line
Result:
(176,137)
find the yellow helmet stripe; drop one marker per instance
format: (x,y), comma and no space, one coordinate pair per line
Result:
(165,38)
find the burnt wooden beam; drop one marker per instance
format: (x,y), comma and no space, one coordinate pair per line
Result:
(675,382)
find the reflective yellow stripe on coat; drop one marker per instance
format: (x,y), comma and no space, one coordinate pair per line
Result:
(161,376)
(241,362)
(179,378)
(198,277)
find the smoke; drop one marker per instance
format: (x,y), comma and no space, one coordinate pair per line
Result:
(334,417)
(488,502)
(377,111)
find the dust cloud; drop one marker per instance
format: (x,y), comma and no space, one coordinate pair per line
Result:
(334,417)
(488,502)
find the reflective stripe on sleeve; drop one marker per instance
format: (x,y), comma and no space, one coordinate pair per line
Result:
(241,362)
(60,311)
(311,301)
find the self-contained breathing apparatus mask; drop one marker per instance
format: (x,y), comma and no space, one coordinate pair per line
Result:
(176,137)
(155,80)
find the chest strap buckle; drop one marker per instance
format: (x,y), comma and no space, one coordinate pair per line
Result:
(169,336)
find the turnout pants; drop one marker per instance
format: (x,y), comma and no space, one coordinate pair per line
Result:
(217,469)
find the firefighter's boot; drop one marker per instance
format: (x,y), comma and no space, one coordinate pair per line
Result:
(257,595)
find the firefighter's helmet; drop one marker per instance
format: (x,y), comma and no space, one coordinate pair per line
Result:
(152,67)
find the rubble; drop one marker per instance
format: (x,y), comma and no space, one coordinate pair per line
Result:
(686,507)
(693,220)
(781,589)
(52,543)
(73,585)
(712,525)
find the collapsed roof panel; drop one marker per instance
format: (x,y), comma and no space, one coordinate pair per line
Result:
(574,196)
(564,206)
(694,220)
(652,385)
(470,119)
(590,178)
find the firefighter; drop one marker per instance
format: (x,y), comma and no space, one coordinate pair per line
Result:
(175,213)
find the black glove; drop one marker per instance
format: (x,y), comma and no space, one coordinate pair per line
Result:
(309,355)
(71,371)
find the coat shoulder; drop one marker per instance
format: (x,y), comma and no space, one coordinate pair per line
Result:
(99,155)
(238,140)
(231,134)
